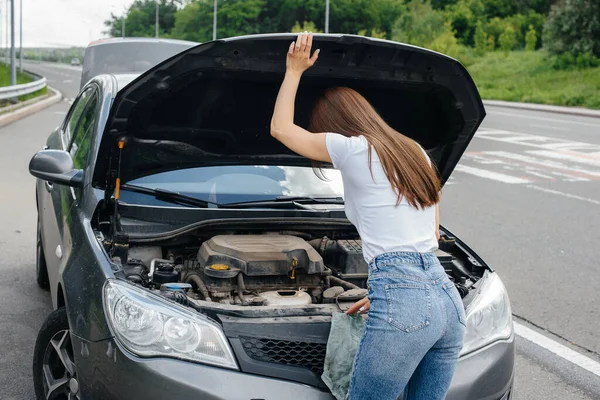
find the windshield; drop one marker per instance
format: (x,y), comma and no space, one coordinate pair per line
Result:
(127,57)
(240,183)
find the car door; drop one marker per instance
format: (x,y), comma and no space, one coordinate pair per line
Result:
(56,200)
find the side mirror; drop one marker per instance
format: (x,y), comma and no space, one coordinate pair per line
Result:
(55,166)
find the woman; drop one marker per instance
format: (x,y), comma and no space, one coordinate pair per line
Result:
(413,334)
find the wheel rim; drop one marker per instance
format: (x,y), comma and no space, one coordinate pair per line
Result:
(58,368)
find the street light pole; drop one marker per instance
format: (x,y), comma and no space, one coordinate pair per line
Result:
(13,64)
(215,21)
(21,39)
(157,18)
(326,16)
(123,26)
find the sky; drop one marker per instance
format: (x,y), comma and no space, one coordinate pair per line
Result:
(60,23)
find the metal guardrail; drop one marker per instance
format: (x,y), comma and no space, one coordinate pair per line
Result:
(9,92)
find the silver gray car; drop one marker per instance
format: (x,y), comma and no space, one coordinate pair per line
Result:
(190,255)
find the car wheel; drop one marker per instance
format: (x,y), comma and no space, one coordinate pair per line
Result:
(54,370)
(41,270)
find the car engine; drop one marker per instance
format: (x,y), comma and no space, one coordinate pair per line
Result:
(260,270)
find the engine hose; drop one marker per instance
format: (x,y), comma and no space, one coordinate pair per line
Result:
(201,286)
(341,282)
(241,288)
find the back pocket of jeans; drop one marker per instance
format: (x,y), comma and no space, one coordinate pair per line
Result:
(409,305)
(452,292)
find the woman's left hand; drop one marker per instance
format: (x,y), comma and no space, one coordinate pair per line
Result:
(298,56)
(361,306)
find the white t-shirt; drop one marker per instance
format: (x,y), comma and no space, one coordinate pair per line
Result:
(370,202)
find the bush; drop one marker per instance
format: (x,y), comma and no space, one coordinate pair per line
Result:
(419,24)
(307,26)
(573,26)
(530,39)
(480,38)
(568,61)
(508,39)
(446,43)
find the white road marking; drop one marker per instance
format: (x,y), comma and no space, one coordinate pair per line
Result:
(529,171)
(67,81)
(544,119)
(544,163)
(568,195)
(559,349)
(482,173)
(556,128)
(541,142)
(590,159)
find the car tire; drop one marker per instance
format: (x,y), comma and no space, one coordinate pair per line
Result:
(54,366)
(41,269)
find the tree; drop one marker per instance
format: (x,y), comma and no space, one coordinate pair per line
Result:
(481,40)
(508,39)
(573,26)
(419,24)
(490,44)
(141,19)
(464,16)
(234,17)
(375,33)
(307,26)
(530,39)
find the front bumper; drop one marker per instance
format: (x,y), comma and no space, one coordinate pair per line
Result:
(105,371)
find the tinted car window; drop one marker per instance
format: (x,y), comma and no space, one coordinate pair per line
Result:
(75,116)
(82,137)
(233,183)
(127,57)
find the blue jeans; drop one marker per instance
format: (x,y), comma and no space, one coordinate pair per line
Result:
(414,331)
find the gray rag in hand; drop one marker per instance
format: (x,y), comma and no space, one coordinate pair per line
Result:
(344,337)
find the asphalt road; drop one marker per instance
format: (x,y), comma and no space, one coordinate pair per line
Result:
(526,197)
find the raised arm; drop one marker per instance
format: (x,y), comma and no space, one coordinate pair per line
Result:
(295,138)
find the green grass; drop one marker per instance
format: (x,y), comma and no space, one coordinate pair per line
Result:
(5,76)
(528,77)
(21,78)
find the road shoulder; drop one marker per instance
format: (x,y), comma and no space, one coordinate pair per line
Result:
(14,113)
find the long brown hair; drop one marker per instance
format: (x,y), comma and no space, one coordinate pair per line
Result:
(344,111)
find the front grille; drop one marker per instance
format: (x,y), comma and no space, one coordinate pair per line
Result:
(300,354)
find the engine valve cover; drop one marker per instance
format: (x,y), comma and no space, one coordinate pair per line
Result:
(258,255)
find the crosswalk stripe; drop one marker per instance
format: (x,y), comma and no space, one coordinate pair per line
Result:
(496,176)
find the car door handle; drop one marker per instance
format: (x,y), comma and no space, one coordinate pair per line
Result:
(48,185)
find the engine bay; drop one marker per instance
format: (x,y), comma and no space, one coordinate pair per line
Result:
(270,270)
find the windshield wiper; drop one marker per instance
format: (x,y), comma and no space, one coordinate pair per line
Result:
(169,196)
(286,202)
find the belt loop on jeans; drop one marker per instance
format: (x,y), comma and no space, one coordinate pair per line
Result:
(423,261)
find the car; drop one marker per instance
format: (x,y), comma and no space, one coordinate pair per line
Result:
(189,254)
(75,61)
(128,55)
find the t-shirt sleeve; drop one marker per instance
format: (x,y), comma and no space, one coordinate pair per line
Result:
(338,147)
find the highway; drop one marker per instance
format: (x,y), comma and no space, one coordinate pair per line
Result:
(525,197)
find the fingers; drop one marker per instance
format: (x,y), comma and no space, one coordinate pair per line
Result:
(361,305)
(315,56)
(308,46)
(302,45)
(298,43)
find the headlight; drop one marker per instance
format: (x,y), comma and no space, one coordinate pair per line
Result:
(150,326)
(489,317)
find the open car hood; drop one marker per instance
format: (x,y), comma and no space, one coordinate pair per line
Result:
(212,104)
